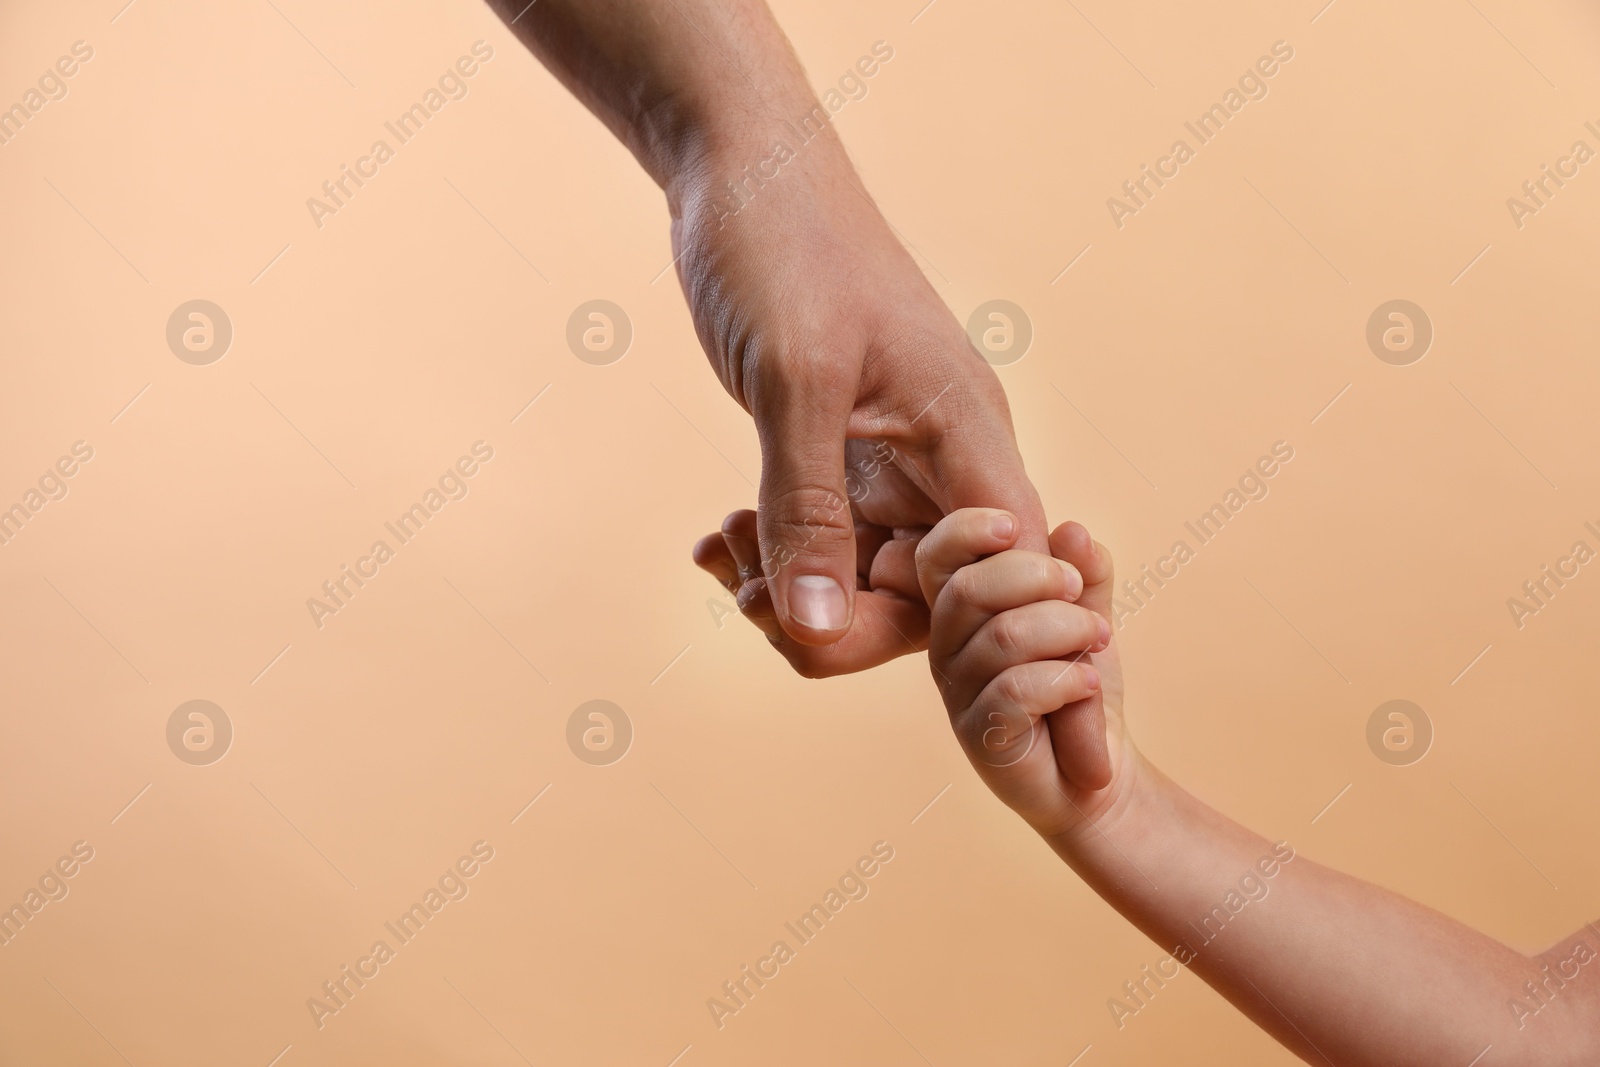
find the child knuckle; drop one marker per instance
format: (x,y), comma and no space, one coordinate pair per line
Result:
(1009,636)
(1013,688)
(963,589)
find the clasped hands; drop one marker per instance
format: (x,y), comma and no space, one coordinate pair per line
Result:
(879,423)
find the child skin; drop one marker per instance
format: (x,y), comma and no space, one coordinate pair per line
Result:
(1339,971)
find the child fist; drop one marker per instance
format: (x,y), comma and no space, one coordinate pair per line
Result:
(1021,648)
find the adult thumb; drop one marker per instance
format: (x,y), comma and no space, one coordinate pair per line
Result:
(804,521)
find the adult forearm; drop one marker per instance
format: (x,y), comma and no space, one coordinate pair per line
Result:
(1336,969)
(678,81)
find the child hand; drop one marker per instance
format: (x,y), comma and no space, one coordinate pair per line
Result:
(1022,652)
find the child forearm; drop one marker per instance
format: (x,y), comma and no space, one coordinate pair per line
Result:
(1339,971)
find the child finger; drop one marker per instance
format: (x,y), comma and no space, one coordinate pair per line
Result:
(999,583)
(1079,731)
(1078,736)
(1071,542)
(1045,630)
(961,538)
(998,728)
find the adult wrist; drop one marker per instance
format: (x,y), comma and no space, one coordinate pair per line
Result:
(727,149)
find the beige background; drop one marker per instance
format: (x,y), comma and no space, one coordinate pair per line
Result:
(371,753)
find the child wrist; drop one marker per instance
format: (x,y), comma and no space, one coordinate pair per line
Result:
(1117,811)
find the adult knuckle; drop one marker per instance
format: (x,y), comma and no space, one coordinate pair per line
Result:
(809,513)
(785,375)
(969,396)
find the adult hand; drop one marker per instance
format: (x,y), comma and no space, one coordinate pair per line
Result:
(873,410)
(814,316)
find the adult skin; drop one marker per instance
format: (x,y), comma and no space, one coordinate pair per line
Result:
(815,318)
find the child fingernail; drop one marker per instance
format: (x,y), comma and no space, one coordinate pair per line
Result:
(1074,580)
(1003,526)
(1105,632)
(1091,679)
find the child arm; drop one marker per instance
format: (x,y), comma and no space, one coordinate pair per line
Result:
(1339,971)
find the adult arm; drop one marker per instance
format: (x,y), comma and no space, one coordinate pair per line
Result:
(813,315)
